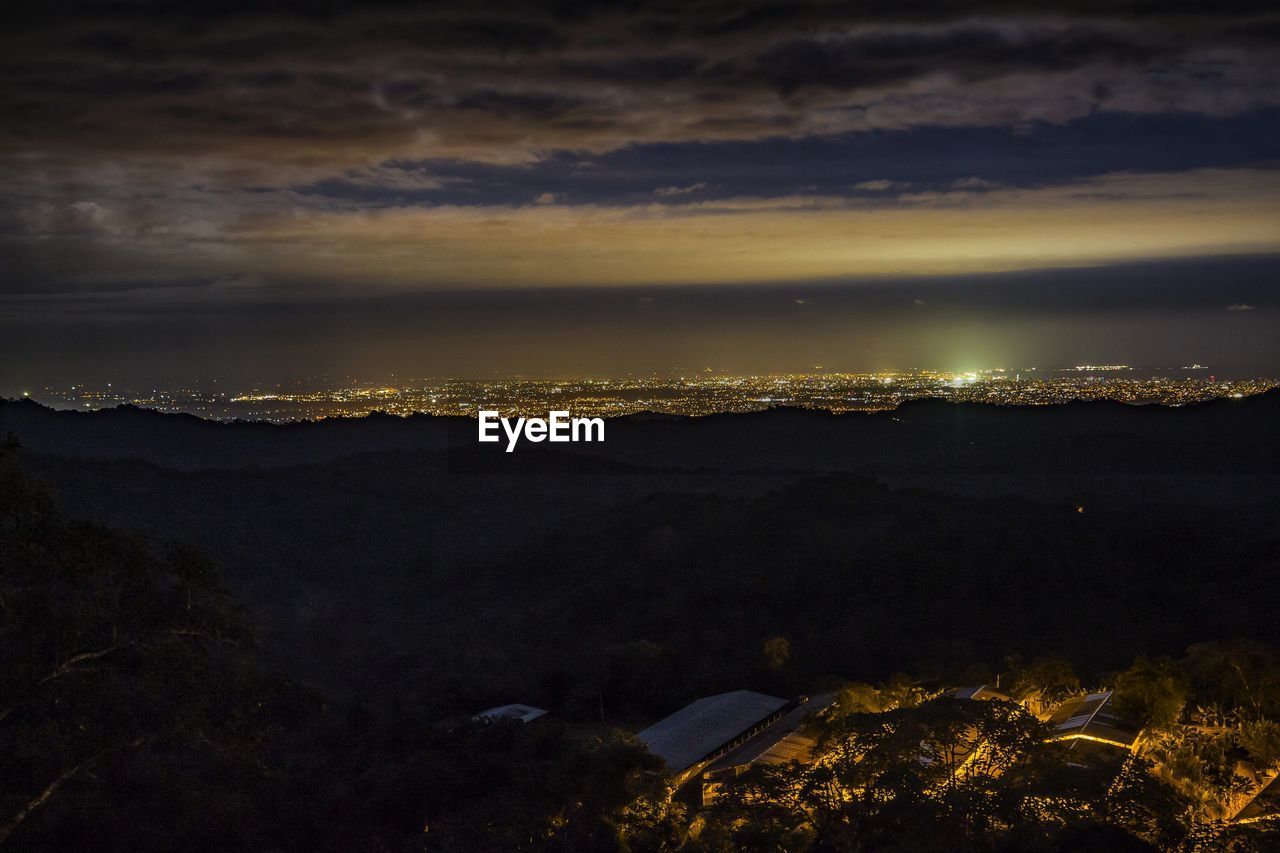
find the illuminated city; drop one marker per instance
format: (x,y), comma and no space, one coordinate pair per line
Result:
(727,426)
(695,395)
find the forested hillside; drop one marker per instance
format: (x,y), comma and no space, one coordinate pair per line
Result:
(299,648)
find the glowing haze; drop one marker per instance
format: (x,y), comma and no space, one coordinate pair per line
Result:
(266,190)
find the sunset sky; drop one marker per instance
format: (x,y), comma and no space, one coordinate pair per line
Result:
(269,191)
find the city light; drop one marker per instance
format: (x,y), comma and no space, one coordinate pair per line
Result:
(703,394)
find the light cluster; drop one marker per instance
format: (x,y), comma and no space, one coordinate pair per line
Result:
(698,395)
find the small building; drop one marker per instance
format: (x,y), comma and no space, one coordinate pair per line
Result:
(514,713)
(983,693)
(1093,719)
(704,730)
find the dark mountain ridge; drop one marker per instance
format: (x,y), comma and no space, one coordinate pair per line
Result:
(926,434)
(388,556)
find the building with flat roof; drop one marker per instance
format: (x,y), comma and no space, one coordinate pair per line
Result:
(983,692)
(517,713)
(706,729)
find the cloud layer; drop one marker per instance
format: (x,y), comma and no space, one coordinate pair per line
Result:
(506,81)
(230,251)
(223,152)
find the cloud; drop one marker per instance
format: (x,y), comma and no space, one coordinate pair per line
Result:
(879,185)
(1240,307)
(405,248)
(143,142)
(668,192)
(362,83)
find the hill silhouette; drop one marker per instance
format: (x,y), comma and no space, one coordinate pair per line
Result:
(924,538)
(926,434)
(403,576)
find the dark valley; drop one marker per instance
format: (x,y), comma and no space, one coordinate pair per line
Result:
(402,578)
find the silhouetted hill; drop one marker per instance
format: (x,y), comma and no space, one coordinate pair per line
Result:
(922,435)
(187,442)
(936,435)
(396,556)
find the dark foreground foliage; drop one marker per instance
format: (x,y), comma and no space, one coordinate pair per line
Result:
(135,718)
(139,711)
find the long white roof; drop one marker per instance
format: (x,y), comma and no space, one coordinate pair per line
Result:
(702,727)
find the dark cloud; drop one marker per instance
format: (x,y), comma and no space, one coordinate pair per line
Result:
(208,160)
(968,52)
(884,164)
(382,79)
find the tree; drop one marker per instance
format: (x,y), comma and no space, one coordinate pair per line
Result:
(859,698)
(766,808)
(1149,694)
(120,662)
(942,775)
(640,676)
(1262,740)
(1046,682)
(23,502)
(777,651)
(1237,675)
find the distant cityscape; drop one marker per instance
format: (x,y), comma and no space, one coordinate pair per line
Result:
(698,394)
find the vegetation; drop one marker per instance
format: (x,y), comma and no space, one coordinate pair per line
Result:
(1045,682)
(128,686)
(942,775)
(141,709)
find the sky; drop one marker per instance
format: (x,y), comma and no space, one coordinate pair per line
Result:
(269,190)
